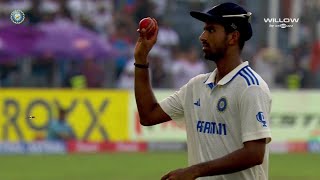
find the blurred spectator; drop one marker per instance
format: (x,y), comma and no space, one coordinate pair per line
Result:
(159,74)
(160,7)
(295,76)
(167,36)
(74,78)
(267,63)
(33,15)
(128,6)
(248,52)
(43,69)
(85,21)
(59,129)
(295,73)
(49,6)
(63,13)
(126,20)
(144,8)
(315,62)
(186,65)
(103,20)
(126,79)
(3,7)
(48,17)
(12,5)
(84,7)
(122,44)
(93,73)
(64,10)
(8,73)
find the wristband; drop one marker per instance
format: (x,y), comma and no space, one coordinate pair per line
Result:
(142,66)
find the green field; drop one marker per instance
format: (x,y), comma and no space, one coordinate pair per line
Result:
(135,166)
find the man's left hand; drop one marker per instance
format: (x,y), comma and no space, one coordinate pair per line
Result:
(180,174)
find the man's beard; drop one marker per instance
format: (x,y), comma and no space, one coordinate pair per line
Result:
(214,56)
(218,54)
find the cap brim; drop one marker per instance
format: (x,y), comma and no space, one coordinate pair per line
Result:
(205,17)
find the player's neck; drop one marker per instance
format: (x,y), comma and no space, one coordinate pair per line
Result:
(226,65)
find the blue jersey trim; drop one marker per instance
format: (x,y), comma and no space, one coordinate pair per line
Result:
(245,77)
(250,71)
(237,73)
(248,75)
(211,85)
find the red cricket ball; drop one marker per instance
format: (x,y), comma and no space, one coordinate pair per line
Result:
(148,25)
(144,23)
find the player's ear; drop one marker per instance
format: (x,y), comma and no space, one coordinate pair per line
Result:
(233,37)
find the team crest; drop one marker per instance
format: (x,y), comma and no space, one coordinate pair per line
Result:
(17,16)
(222,104)
(260,118)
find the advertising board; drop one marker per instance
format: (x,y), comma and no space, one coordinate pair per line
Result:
(94,115)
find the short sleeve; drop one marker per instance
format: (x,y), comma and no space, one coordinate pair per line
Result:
(255,107)
(173,105)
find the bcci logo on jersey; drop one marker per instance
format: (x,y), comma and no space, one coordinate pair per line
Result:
(222,104)
(17,16)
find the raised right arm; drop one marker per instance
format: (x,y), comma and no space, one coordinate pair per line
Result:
(149,109)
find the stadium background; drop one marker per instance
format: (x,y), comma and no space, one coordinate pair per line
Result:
(92,78)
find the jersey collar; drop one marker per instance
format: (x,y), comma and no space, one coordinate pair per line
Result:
(229,77)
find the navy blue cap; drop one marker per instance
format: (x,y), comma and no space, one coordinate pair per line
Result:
(228,14)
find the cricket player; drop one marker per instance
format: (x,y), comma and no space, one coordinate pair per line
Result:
(226,112)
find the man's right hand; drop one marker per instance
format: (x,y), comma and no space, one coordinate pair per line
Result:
(145,43)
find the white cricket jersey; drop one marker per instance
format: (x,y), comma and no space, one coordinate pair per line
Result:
(220,117)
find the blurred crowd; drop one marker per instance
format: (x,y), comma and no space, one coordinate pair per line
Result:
(175,59)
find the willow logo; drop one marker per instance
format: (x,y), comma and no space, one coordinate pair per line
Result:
(281,23)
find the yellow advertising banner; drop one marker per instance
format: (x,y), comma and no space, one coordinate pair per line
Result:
(94,115)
